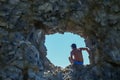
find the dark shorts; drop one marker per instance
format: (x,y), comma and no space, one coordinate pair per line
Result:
(78,62)
(77,66)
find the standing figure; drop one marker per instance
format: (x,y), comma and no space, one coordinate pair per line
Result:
(76,56)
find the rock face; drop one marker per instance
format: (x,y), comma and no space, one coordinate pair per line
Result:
(24,24)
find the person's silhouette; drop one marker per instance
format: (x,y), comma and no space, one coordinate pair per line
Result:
(76,56)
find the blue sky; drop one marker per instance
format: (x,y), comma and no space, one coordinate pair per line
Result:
(59,47)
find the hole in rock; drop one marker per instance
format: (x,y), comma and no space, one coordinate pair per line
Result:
(59,48)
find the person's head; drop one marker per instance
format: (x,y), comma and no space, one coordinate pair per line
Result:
(73,46)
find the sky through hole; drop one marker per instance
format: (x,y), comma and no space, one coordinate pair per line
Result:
(59,47)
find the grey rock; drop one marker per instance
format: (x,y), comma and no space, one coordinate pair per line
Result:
(14,1)
(24,24)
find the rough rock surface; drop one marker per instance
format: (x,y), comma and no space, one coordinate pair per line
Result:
(24,24)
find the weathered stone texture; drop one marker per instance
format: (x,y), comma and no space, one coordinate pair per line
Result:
(24,24)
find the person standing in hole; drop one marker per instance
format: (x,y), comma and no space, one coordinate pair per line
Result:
(76,57)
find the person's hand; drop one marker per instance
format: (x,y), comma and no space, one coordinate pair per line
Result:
(89,56)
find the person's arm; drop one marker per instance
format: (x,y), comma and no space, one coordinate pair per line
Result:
(71,58)
(85,49)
